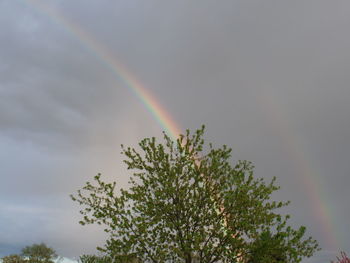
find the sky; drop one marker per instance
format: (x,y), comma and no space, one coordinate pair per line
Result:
(270,79)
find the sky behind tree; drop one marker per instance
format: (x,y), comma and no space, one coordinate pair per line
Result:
(269,79)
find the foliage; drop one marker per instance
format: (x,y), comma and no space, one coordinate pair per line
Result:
(13,259)
(94,259)
(187,204)
(268,248)
(343,259)
(39,253)
(106,259)
(36,253)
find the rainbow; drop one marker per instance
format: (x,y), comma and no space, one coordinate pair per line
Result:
(309,180)
(321,211)
(153,105)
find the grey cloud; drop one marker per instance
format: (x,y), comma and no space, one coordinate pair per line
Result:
(44,89)
(269,79)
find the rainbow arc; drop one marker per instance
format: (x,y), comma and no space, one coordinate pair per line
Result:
(165,120)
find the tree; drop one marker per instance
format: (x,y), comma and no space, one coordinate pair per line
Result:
(107,259)
(39,253)
(13,259)
(267,248)
(94,259)
(187,203)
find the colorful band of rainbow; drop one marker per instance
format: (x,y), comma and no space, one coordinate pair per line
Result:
(94,47)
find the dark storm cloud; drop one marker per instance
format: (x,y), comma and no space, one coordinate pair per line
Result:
(263,75)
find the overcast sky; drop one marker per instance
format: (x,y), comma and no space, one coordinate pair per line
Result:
(268,78)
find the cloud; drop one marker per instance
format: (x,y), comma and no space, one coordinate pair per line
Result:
(261,75)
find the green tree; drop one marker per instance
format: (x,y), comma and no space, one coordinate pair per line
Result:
(268,248)
(187,203)
(94,259)
(39,253)
(13,259)
(107,259)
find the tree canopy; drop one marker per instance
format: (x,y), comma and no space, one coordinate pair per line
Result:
(13,258)
(36,253)
(39,253)
(188,203)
